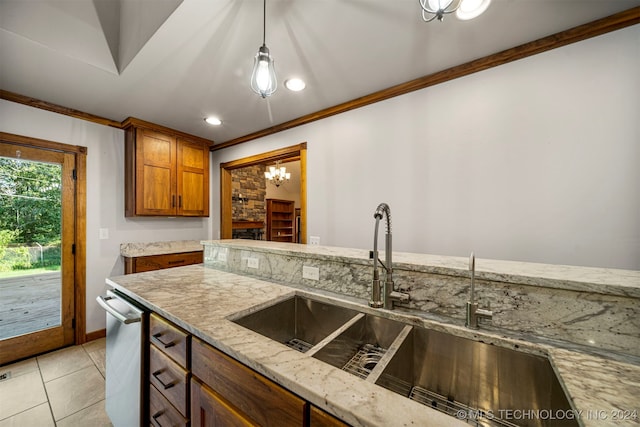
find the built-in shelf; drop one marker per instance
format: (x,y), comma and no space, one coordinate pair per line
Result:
(280,220)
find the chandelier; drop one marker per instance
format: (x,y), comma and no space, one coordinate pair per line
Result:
(465,9)
(277,174)
(263,78)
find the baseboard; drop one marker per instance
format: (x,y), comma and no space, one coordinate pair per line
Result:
(100,333)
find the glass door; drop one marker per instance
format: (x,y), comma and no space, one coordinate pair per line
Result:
(36,250)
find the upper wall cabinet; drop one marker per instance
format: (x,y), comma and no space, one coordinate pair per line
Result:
(166,171)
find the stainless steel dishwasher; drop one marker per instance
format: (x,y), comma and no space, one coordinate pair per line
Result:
(126,325)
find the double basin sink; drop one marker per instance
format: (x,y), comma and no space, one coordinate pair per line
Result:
(490,385)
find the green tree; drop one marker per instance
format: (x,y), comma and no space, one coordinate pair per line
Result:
(30,200)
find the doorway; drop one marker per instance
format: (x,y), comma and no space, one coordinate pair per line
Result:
(288,154)
(39,246)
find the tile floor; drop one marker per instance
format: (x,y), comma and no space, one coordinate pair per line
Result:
(64,388)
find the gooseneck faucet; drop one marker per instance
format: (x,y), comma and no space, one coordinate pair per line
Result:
(383,295)
(473,312)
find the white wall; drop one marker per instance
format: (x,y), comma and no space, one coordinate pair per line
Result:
(537,160)
(105,195)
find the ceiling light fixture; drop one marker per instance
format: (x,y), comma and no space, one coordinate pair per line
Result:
(277,174)
(465,9)
(213,121)
(295,84)
(263,78)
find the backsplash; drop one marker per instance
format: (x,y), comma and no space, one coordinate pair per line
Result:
(569,311)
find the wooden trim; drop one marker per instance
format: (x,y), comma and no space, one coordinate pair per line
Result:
(303,195)
(95,335)
(292,153)
(137,123)
(41,143)
(593,29)
(226,204)
(68,237)
(81,248)
(55,108)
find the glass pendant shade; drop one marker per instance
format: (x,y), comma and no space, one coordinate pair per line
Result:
(263,78)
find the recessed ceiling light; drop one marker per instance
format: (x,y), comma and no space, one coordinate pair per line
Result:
(470,9)
(295,84)
(213,121)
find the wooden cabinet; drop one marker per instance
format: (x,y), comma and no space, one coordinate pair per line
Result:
(280,220)
(192,383)
(166,171)
(169,374)
(159,262)
(319,418)
(255,398)
(209,409)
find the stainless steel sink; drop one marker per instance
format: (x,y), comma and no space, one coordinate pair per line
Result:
(298,322)
(358,348)
(494,384)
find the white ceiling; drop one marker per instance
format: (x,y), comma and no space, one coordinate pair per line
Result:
(173,62)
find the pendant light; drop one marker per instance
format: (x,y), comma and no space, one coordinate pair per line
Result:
(263,78)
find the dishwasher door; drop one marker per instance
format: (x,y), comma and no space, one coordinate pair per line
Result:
(124,360)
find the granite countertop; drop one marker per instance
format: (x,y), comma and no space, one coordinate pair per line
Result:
(608,281)
(131,250)
(202,300)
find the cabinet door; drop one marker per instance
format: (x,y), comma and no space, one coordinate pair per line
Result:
(209,409)
(192,179)
(260,399)
(155,173)
(319,418)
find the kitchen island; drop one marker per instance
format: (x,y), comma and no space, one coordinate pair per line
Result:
(202,300)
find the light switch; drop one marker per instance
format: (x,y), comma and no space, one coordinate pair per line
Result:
(104,233)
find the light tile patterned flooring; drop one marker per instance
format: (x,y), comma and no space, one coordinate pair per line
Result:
(64,388)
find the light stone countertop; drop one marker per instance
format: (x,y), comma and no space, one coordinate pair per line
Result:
(607,281)
(131,250)
(202,300)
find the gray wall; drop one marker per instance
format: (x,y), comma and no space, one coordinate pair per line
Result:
(537,160)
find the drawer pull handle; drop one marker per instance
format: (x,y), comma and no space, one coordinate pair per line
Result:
(156,416)
(156,375)
(179,261)
(165,344)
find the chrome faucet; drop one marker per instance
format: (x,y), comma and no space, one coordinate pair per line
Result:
(383,296)
(473,312)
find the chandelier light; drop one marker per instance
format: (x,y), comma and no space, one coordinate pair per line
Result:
(277,174)
(464,9)
(263,78)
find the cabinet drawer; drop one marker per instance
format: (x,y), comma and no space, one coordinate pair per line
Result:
(261,400)
(319,418)
(169,378)
(211,410)
(159,262)
(162,413)
(172,340)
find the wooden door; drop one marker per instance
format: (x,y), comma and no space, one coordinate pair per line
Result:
(192,179)
(155,173)
(38,303)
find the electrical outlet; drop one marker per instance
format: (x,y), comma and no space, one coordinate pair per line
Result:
(104,233)
(314,240)
(311,273)
(253,263)
(222,255)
